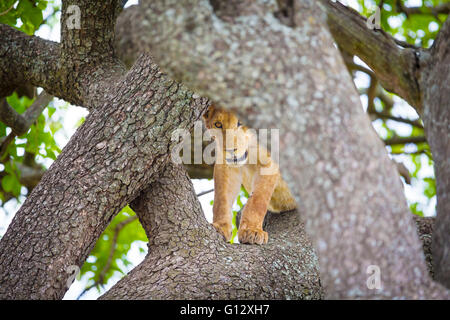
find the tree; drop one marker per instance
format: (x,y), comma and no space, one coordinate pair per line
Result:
(276,66)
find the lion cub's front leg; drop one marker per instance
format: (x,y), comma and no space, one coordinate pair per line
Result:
(250,227)
(227,184)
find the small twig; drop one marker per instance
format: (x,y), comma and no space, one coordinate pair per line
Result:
(418,152)
(405,44)
(404,140)
(5,12)
(5,143)
(348,59)
(371,94)
(386,115)
(20,123)
(380,94)
(33,112)
(117,230)
(403,171)
(204,192)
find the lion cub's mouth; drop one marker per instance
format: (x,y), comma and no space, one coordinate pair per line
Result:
(240,160)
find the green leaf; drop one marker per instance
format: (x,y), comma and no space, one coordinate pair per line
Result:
(397,148)
(430,189)
(11,184)
(415,210)
(416,159)
(30,14)
(130,233)
(50,154)
(8,183)
(42,5)
(51,111)
(8,13)
(55,126)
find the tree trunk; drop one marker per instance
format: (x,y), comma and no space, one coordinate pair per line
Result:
(274,76)
(332,159)
(421,77)
(117,151)
(435,82)
(188,259)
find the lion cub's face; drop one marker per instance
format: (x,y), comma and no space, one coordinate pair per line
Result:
(231,136)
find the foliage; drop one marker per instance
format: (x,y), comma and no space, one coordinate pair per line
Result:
(110,252)
(414,28)
(36,148)
(25,15)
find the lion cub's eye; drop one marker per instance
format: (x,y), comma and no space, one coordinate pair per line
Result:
(218,124)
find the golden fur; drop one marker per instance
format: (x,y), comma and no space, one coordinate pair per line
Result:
(236,145)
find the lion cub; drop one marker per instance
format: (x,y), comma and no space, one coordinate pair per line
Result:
(241,161)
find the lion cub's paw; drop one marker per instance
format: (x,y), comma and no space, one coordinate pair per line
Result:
(224,229)
(252,236)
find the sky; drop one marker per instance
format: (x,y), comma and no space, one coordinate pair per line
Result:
(71,115)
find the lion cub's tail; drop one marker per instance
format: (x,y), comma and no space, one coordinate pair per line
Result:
(282,198)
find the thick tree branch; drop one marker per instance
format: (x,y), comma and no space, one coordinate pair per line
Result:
(436,117)
(118,150)
(88,37)
(28,60)
(188,259)
(396,68)
(250,63)
(79,70)
(87,53)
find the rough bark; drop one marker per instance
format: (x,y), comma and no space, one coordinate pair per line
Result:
(79,70)
(117,151)
(332,159)
(435,83)
(120,148)
(425,231)
(239,54)
(89,50)
(27,60)
(188,259)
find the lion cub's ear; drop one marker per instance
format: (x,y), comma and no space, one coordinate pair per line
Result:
(208,115)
